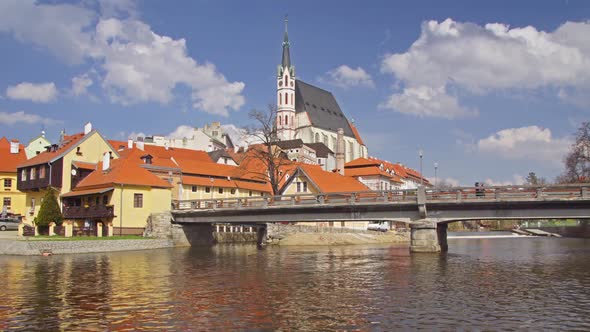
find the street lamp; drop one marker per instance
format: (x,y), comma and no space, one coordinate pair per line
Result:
(435,169)
(421,177)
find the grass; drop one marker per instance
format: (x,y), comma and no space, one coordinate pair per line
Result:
(86,238)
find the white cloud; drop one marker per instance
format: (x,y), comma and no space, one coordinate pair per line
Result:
(182,131)
(16,117)
(425,101)
(516,180)
(38,93)
(481,59)
(526,143)
(80,85)
(346,77)
(135,63)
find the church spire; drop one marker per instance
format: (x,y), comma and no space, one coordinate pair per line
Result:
(286,63)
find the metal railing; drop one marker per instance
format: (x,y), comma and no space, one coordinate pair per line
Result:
(406,196)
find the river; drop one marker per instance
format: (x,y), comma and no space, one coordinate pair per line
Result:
(480,284)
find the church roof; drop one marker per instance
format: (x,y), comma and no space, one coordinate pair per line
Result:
(322,108)
(289,144)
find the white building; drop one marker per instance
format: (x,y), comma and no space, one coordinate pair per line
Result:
(36,145)
(209,138)
(311,114)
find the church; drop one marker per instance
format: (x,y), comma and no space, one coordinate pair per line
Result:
(310,113)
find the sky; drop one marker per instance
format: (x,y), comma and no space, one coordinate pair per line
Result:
(488,90)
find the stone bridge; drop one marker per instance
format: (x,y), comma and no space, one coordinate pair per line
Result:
(427,211)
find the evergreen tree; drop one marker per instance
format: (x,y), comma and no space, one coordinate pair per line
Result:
(49,211)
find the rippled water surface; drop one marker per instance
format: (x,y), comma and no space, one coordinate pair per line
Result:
(481,284)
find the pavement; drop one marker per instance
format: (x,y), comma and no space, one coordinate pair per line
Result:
(12,235)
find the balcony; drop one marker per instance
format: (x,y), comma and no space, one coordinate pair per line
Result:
(91,212)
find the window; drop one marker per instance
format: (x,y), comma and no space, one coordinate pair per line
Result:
(305,187)
(250,193)
(32,204)
(23,175)
(42,172)
(33,173)
(105,200)
(286,120)
(220,190)
(96,200)
(298,186)
(194,189)
(6,201)
(137,200)
(286,98)
(280,120)
(280,98)
(207,189)
(233,191)
(7,184)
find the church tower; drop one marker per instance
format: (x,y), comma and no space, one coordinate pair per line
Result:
(286,94)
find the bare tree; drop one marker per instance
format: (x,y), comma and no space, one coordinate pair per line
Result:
(577,161)
(265,160)
(533,180)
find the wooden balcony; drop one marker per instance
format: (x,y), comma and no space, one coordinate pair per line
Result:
(91,212)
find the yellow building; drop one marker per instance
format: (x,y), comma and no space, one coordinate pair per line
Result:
(11,155)
(119,192)
(61,166)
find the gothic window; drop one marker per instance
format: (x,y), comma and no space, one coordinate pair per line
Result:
(286,80)
(280,120)
(280,98)
(286,120)
(286,98)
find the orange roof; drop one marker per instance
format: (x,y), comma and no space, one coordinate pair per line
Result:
(225,183)
(160,152)
(370,171)
(356,134)
(10,161)
(84,165)
(122,171)
(331,182)
(48,156)
(359,162)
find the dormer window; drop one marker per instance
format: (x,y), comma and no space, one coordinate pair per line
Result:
(147,159)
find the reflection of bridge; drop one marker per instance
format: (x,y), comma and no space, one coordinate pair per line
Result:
(427,211)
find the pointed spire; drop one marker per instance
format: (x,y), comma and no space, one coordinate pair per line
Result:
(286,63)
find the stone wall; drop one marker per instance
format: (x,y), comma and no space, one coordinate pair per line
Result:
(37,247)
(582,231)
(317,235)
(221,237)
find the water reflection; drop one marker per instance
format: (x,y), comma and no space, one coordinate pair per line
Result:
(488,284)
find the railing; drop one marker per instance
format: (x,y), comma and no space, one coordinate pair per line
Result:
(408,196)
(81,212)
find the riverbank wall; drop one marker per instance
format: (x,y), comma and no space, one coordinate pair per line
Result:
(581,231)
(280,234)
(26,247)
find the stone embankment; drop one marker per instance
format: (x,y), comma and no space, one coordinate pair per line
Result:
(37,247)
(309,235)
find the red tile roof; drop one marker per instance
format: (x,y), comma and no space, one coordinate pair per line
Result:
(122,171)
(370,171)
(360,162)
(329,182)
(356,134)
(160,152)
(10,161)
(84,165)
(47,156)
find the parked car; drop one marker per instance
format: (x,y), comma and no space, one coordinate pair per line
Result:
(378,226)
(9,224)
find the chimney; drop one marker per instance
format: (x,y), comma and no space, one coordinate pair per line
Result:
(340,151)
(130,143)
(14,147)
(106,161)
(87,128)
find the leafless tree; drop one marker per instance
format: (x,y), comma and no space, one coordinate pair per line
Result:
(577,161)
(265,160)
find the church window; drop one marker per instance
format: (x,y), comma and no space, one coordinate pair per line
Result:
(350,151)
(286,80)
(291,83)
(286,120)
(280,120)
(280,83)
(280,98)
(286,98)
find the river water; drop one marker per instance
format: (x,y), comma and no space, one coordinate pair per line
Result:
(480,284)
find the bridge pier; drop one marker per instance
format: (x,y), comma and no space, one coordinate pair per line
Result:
(428,236)
(261,233)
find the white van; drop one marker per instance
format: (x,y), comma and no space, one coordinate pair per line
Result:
(380,226)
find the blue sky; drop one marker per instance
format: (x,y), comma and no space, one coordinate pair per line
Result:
(488,90)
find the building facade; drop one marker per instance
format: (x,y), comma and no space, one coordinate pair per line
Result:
(12,153)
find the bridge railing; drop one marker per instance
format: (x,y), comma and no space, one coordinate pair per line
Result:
(455,194)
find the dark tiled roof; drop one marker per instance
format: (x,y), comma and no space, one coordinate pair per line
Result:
(321,150)
(322,108)
(290,144)
(215,155)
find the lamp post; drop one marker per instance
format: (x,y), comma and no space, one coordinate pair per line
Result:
(421,178)
(435,169)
